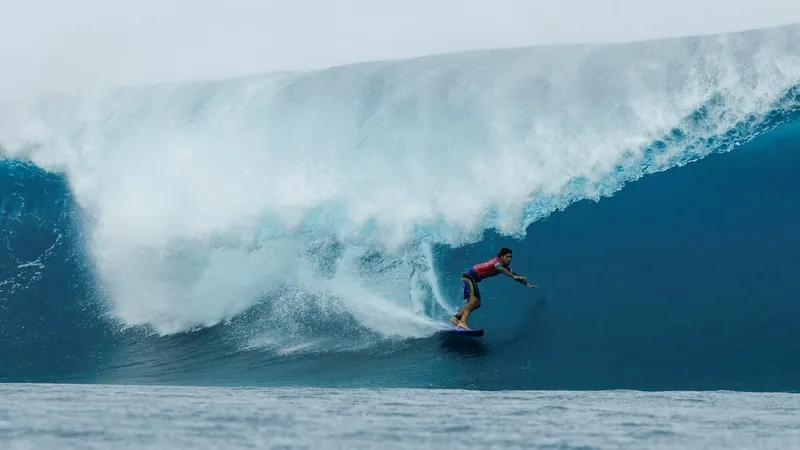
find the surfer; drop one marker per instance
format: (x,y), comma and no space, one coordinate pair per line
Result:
(479,272)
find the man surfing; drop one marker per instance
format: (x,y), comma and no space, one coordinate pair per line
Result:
(479,272)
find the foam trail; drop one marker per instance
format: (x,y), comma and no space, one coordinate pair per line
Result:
(204,199)
(431,279)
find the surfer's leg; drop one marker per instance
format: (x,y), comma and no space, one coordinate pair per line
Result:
(468,288)
(473,297)
(474,303)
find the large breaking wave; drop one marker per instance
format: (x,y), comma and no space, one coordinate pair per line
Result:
(315,215)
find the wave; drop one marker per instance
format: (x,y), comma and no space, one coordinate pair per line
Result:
(322,213)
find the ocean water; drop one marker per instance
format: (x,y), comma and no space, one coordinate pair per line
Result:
(279,235)
(150,417)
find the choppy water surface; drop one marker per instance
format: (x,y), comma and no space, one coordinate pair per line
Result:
(152,417)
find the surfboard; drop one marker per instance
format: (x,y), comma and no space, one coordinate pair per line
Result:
(474,332)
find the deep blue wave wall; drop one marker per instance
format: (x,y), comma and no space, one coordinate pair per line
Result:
(685,279)
(50,326)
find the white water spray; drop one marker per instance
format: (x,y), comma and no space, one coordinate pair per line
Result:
(203,199)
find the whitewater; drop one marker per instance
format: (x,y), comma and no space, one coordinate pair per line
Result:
(199,200)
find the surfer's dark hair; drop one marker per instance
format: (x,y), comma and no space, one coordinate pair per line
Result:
(503,252)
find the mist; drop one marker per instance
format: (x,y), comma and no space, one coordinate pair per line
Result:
(85,44)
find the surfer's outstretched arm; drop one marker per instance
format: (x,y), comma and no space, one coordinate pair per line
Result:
(508,273)
(516,277)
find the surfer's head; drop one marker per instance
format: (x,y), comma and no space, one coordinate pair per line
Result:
(505,255)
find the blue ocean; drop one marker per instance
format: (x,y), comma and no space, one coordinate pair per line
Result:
(283,250)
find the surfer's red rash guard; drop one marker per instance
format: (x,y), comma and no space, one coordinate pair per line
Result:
(478,272)
(486,270)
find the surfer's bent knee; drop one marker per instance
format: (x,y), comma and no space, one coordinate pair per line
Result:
(475,302)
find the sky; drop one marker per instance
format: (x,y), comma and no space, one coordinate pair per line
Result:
(57,44)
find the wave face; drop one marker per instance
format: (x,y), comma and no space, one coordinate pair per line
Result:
(311,228)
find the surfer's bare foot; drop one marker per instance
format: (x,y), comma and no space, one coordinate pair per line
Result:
(463,326)
(454,321)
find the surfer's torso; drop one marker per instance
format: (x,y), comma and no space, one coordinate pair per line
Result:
(486,270)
